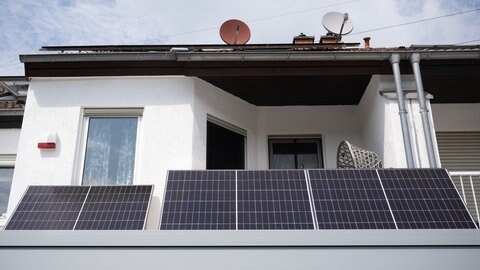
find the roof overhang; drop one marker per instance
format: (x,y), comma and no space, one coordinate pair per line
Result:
(277,77)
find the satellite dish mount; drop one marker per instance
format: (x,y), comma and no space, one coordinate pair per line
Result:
(337,25)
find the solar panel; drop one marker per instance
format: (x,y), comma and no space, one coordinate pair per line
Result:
(199,200)
(273,200)
(349,199)
(48,208)
(424,199)
(115,208)
(82,208)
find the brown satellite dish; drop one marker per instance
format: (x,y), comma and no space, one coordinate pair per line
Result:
(235,32)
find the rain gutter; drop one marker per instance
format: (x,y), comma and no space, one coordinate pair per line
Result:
(184,56)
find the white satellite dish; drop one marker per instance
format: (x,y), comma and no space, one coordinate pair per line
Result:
(337,23)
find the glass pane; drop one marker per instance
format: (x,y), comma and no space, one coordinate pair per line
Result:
(110,153)
(307,155)
(6,176)
(283,155)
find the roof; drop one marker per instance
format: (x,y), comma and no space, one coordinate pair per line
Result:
(273,74)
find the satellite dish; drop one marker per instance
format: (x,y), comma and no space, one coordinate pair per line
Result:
(235,32)
(337,23)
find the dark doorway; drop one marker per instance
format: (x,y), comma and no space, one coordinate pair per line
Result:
(225,148)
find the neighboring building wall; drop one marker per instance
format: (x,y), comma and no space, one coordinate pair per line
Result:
(456,117)
(460,118)
(8,151)
(9,141)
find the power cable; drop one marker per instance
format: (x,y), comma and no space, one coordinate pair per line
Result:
(470,41)
(413,22)
(263,18)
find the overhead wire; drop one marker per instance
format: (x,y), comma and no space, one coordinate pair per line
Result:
(469,41)
(262,18)
(414,22)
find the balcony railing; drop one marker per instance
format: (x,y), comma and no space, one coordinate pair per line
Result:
(468,185)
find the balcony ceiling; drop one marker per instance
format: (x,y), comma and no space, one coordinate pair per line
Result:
(280,83)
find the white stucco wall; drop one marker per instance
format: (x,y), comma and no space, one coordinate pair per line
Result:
(333,123)
(55,105)
(210,100)
(381,127)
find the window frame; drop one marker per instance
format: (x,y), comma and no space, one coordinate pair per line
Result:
(317,138)
(7,161)
(87,114)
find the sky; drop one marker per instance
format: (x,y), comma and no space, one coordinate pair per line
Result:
(27,25)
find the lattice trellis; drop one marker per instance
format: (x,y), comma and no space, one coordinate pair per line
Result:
(351,156)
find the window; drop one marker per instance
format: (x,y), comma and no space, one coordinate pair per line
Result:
(6,176)
(225,145)
(110,147)
(295,153)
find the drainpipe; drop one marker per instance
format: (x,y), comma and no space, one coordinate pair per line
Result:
(415,60)
(395,60)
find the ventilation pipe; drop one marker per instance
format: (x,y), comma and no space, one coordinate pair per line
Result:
(415,60)
(395,60)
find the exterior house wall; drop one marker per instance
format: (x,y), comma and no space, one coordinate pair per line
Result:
(210,100)
(55,105)
(372,109)
(381,127)
(333,123)
(172,130)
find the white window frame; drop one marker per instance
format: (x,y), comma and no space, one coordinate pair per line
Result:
(320,147)
(6,161)
(88,113)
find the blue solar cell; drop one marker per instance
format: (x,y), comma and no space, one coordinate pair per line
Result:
(425,199)
(273,200)
(349,199)
(199,200)
(115,208)
(82,208)
(48,208)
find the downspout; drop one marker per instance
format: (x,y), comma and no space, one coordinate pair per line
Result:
(415,60)
(395,60)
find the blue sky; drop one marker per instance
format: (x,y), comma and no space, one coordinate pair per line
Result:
(26,25)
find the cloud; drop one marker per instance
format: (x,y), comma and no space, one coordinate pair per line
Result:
(26,25)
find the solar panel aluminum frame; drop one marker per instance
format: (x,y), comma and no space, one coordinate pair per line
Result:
(162,208)
(311,199)
(308,197)
(25,192)
(84,201)
(461,198)
(373,177)
(453,185)
(146,211)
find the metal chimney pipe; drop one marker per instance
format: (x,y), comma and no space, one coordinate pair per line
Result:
(395,61)
(415,60)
